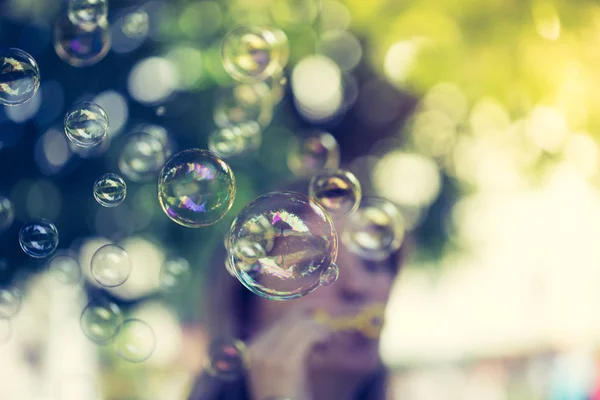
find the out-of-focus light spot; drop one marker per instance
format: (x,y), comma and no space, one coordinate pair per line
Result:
(379,103)
(448,98)
(433,133)
(115,223)
(52,152)
(416,179)
(401,58)
(317,87)
(334,16)
(291,13)
(146,206)
(547,128)
(25,111)
(115,106)
(201,19)
(152,80)
(545,17)
(122,41)
(581,151)
(43,200)
(53,102)
(188,63)
(489,117)
(342,47)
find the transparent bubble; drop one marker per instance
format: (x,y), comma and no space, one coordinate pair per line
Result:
(19,77)
(175,274)
(329,275)
(38,238)
(196,188)
(86,124)
(254,53)
(313,153)
(78,46)
(243,103)
(142,157)
(87,13)
(65,269)
(5,330)
(10,301)
(235,140)
(7,214)
(227,359)
(375,230)
(295,12)
(110,190)
(298,238)
(136,24)
(136,341)
(339,191)
(100,321)
(111,265)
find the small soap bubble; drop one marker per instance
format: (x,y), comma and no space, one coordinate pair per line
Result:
(298,239)
(10,301)
(5,330)
(254,53)
(136,341)
(81,47)
(86,124)
(339,192)
(100,321)
(19,77)
(235,140)
(142,157)
(38,238)
(227,359)
(175,274)
(313,153)
(375,230)
(196,188)
(111,265)
(329,275)
(110,190)
(243,103)
(7,214)
(65,269)
(136,24)
(87,13)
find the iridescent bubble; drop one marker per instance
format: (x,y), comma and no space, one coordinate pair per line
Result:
(295,12)
(142,157)
(299,241)
(313,153)
(65,269)
(111,265)
(78,46)
(110,190)
(136,341)
(235,140)
(196,188)
(136,24)
(19,77)
(375,230)
(10,301)
(329,275)
(339,191)
(175,274)
(5,330)
(227,359)
(243,103)
(38,238)
(87,13)
(100,321)
(7,214)
(86,124)
(254,53)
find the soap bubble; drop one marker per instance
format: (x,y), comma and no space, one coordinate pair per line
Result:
(5,330)
(243,103)
(19,77)
(175,274)
(339,192)
(65,269)
(196,188)
(38,238)
(298,238)
(136,24)
(87,13)
(227,359)
(235,140)
(142,157)
(101,320)
(375,230)
(111,265)
(311,154)
(329,275)
(86,124)
(81,47)
(7,214)
(254,53)
(136,341)
(110,190)
(10,301)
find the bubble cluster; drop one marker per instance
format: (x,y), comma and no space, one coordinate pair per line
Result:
(86,124)
(175,274)
(142,157)
(100,321)
(235,140)
(19,77)
(196,188)
(254,53)
(38,238)
(65,269)
(313,153)
(87,13)
(136,341)
(7,214)
(136,24)
(227,359)
(280,243)
(339,192)
(10,301)
(329,275)
(80,46)
(110,190)
(111,265)
(375,230)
